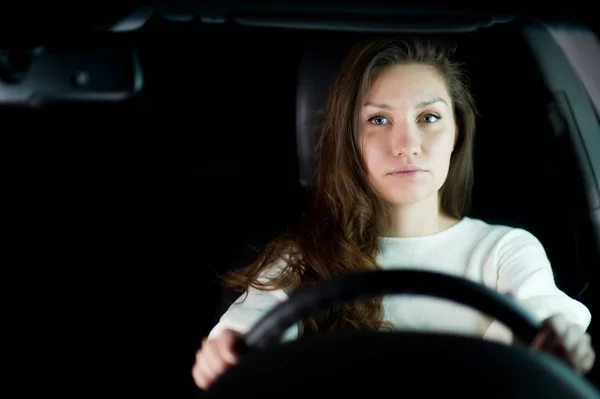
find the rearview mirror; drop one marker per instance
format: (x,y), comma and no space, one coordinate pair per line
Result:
(38,75)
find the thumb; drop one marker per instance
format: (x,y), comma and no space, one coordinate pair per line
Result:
(232,344)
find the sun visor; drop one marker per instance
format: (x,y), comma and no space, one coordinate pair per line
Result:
(45,74)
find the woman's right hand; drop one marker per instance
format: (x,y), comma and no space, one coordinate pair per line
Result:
(214,357)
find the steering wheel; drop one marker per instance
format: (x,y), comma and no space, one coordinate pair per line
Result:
(402,363)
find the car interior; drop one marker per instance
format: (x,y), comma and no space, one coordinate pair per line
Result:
(192,172)
(515,133)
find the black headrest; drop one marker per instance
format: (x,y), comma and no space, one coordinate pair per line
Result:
(319,63)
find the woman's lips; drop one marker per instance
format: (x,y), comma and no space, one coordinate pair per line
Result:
(407,171)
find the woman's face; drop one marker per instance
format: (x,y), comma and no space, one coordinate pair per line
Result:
(407,133)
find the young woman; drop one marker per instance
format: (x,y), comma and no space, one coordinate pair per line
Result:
(392,185)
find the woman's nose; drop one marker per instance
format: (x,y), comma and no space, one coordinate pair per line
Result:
(405,140)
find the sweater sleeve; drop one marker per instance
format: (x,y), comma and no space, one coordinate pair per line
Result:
(524,271)
(252,305)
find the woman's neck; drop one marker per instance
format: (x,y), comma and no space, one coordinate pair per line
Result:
(418,220)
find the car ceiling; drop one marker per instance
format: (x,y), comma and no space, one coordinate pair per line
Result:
(64,17)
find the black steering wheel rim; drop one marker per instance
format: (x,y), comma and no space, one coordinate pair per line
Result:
(354,363)
(368,284)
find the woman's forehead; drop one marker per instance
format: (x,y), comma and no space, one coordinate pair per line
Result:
(406,77)
(413,85)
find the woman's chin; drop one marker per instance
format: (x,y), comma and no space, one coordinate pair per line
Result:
(406,198)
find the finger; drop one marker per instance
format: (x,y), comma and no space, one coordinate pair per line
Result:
(583,354)
(212,362)
(199,379)
(201,356)
(588,361)
(203,364)
(572,338)
(558,323)
(226,345)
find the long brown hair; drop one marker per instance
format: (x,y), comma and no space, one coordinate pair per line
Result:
(339,232)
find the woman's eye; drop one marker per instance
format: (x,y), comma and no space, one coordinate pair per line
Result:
(378,120)
(430,118)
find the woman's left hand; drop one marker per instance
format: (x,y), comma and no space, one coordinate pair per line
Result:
(566,341)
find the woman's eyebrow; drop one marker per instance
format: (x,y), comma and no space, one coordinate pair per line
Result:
(422,104)
(425,104)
